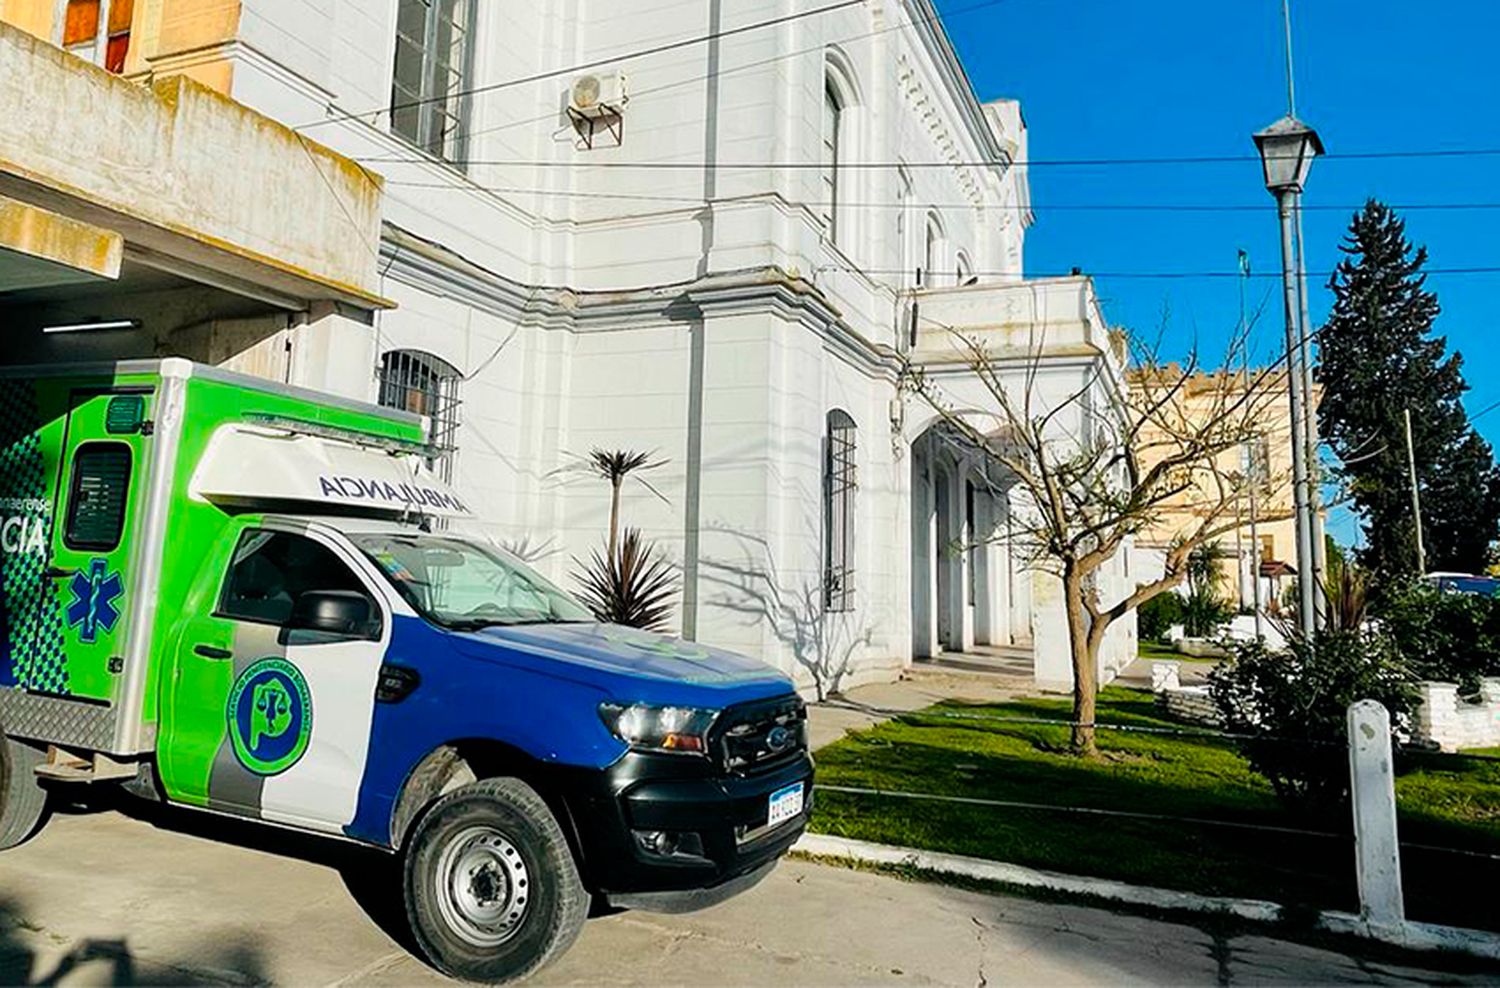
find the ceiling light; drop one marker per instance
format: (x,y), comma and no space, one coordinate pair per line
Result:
(89,327)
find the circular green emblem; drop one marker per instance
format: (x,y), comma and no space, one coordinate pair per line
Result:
(270,716)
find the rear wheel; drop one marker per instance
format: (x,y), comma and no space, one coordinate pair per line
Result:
(492,892)
(22,798)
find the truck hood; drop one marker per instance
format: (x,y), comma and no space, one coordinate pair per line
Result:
(630,663)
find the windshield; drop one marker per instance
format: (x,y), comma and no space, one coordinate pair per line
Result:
(464,586)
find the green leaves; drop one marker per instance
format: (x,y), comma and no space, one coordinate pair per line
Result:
(1377,357)
(634,586)
(1291,707)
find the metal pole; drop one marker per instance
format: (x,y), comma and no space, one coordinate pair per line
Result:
(1291,90)
(1239,558)
(1260,633)
(1305,576)
(1310,426)
(1252,470)
(1416,497)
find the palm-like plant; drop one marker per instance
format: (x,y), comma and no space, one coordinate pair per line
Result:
(633,586)
(614,465)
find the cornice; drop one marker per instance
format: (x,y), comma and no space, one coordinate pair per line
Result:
(433,268)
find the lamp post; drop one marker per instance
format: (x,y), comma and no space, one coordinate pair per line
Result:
(1287,149)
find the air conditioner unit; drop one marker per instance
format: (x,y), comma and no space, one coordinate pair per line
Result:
(598,95)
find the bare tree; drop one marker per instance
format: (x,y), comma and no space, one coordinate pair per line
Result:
(1107,462)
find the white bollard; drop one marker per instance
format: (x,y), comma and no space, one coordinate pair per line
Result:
(1166,676)
(1373,793)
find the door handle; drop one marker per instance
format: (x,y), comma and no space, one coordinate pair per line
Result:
(58,572)
(213,652)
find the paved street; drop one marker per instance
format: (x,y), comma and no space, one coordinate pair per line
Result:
(104,898)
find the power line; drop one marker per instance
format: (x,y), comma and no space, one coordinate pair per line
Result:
(595,64)
(1484,411)
(1166,275)
(937,17)
(686,200)
(700,166)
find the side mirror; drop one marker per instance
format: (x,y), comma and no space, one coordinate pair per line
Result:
(345,613)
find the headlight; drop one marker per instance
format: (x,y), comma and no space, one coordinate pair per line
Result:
(681,730)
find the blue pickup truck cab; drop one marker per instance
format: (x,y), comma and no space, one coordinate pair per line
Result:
(527,759)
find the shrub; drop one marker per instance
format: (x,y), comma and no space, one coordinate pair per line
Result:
(1203,613)
(1291,707)
(1442,635)
(1157,615)
(634,586)
(1205,607)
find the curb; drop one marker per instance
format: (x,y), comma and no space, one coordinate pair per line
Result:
(1413,936)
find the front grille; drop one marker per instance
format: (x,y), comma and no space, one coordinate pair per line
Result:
(756,737)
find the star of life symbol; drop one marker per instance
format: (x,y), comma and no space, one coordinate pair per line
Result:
(93,605)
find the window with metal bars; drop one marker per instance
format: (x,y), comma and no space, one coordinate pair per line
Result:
(840,481)
(433,71)
(424,384)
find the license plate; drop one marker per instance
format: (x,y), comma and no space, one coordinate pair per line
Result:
(786,804)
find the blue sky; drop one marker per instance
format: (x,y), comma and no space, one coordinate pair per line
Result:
(1155,78)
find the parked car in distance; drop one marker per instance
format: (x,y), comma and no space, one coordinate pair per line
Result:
(1480,586)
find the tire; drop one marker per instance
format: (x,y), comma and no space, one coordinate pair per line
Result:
(492,891)
(23,801)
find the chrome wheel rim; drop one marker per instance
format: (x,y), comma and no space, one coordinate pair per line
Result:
(483,886)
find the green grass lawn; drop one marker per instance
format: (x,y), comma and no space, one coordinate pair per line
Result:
(1156,650)
(1449,801)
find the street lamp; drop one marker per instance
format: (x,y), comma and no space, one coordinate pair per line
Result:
(1287,149)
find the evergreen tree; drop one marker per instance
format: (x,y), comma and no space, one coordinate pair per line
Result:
(1377,357)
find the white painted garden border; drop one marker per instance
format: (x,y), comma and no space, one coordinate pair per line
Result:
(1415,936)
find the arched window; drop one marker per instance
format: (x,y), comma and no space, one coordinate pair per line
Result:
(904,193)
(932,254)
(833,127)
(424,384)
(840,481)
(963,268)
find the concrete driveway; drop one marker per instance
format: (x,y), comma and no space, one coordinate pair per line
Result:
(104,898)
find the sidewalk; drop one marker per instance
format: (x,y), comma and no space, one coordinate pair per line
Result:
(922,686)
(105,899)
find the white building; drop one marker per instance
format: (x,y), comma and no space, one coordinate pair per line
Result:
(602,230)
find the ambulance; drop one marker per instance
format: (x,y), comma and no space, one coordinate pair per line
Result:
(258,601)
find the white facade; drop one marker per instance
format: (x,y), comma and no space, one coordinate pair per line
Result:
(714,304)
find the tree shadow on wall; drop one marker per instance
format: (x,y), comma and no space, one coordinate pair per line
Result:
(821,641)
(234,962)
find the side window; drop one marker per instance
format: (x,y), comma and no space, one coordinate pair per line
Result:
(431,77)
(425,384)
(97,496)
(269,570)
(83,21)
(840,481)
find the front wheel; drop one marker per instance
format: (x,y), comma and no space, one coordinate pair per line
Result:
(22,798)
(492,891)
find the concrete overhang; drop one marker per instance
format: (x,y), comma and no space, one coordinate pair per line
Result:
(41,249)
(195,183)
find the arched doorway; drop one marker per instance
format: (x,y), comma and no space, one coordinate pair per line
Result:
(967,590)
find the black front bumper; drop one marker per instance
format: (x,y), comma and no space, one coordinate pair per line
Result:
(719,821)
